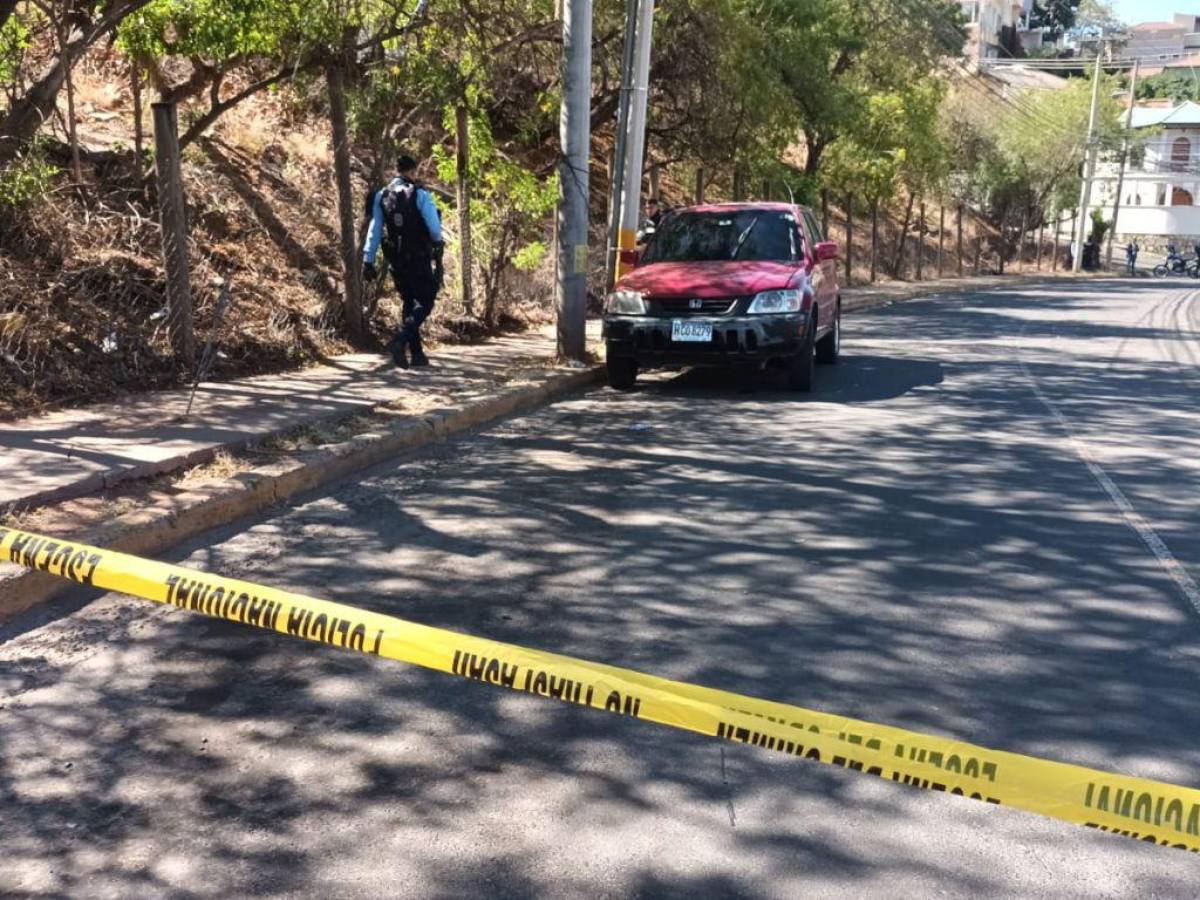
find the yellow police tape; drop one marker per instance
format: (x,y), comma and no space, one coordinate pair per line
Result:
(1134,807)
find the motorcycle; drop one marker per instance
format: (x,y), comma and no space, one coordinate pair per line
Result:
(1176,264)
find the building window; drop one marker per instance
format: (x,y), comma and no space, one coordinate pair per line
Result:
(1181,152)
(970,10)
(1180,197)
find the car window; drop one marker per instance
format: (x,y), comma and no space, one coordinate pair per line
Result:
(814,229)
(744,234)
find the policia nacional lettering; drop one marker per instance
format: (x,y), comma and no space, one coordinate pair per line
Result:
(492,670)
(214,599)
(1144,808)
(950,763)
(53,557)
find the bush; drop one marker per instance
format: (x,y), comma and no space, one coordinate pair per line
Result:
(510,210)
(24,180)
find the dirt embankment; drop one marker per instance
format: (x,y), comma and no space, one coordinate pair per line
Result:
(82,314)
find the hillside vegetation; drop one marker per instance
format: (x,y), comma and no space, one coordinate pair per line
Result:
(861,101)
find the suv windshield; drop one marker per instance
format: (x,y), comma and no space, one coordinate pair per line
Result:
(747,234)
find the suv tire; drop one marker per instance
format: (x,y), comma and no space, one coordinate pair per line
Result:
(800,366)
(829,348)
(622,372)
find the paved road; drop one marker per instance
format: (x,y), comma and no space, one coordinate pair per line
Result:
(918,543)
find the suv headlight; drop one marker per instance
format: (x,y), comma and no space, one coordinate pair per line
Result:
(625,303)
(777,302)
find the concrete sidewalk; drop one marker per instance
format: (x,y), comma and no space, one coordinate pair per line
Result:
(72,452)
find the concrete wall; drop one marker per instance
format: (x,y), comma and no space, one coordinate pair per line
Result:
(1150,44)
(1174,221)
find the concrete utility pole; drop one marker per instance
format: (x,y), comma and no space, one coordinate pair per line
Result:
(1085,190)
(631,195)
(621,150)
(575,134)
(1124,161)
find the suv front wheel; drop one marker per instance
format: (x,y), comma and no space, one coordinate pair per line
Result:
(622,372)
(829,348)
(800,366)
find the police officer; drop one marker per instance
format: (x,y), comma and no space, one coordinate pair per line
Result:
(405,222)
(1131,255)
(654,212)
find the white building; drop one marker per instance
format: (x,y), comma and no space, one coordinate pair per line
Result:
(1162,182)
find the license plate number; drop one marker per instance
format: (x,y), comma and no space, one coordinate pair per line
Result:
(682,330)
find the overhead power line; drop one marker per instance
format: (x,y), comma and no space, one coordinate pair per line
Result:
(1016,103)
(1080,63)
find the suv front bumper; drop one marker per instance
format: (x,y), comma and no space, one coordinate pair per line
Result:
(758,338)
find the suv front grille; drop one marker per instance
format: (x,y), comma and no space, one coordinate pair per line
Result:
(687,306)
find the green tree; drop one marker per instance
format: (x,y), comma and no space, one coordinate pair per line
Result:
(713,102)
(89,21)
(895,145)
(508,209)
(265,42)
(1056,16)
(835,56)
(1172,84)
(1098,16)
(1024,154)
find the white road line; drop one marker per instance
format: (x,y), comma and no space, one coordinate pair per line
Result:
(1132,517)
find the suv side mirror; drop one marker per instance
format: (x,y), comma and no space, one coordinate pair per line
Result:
(825,250)
(631,259)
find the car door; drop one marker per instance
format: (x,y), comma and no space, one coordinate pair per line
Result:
(822,275)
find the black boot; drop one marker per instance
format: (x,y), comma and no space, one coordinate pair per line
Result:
(395,348)
(414,342)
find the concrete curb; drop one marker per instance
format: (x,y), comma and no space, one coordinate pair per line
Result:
(218,502)
(133,471)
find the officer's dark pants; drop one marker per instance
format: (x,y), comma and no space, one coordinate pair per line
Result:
(417,287)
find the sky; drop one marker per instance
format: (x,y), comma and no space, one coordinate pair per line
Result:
(1134,11)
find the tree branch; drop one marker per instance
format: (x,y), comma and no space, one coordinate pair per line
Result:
(218,109)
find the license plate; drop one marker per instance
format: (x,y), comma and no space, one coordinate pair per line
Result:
(683,330)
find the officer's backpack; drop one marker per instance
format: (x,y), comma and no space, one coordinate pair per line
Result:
(404,226)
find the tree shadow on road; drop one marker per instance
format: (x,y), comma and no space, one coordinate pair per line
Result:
(924,552)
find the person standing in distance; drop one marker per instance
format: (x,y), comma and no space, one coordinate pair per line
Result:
(405,222)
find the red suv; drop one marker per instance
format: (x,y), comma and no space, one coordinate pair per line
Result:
(725,284)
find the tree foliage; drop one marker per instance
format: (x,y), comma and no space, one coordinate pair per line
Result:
(508,208)
(834,58)
(1028,152)
(1056,16)
(1172,84)
(1098,17)
(823,93)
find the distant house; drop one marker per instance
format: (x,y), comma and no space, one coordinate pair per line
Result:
(993,26)
(1162,182)
(1151,41)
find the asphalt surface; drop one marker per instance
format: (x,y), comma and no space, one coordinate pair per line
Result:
(920,542)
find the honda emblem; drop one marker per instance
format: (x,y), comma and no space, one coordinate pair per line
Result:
(695,303)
